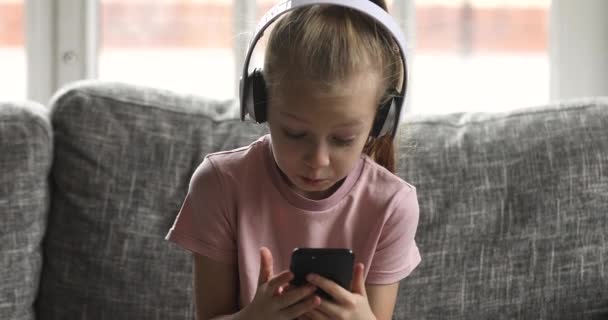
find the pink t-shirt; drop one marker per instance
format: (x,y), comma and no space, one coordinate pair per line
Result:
(238,202)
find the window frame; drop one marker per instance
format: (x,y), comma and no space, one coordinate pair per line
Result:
(62,41)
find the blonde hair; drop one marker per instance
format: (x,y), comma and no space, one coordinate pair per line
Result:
(327,44)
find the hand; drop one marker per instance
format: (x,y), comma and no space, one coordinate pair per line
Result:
(272,300)
(345,305)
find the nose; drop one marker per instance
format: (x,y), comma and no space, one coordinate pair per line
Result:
(317,155)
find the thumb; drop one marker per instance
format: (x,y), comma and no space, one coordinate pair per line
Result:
(265,266)
(358,280)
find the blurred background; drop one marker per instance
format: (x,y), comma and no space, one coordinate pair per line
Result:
(464,55)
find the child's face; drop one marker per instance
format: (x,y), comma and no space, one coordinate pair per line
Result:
(318,137)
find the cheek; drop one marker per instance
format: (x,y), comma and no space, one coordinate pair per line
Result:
(285,147)
(286,156)
(347,162)
(285,152)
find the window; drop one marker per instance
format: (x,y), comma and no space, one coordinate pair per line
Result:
(464,55)
(184,46)
(12,50)
(181,45)
(480,55)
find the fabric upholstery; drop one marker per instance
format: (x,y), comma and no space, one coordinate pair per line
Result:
(513,214)
(123,160)
(25,161)
(512,206)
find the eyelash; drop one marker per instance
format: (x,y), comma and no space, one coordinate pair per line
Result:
(294,136)
(338,142)
(343,143)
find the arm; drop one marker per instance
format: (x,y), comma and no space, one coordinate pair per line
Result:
(215,289)
(396,250)
(382,299)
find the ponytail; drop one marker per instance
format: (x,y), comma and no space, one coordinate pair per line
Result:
(382,151)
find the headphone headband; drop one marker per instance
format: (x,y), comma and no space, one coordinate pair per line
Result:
(364,6)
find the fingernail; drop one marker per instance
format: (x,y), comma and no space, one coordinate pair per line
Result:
(311,277)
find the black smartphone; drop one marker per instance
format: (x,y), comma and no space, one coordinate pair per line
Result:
(335,264)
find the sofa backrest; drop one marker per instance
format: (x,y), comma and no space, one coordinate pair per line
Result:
(513,213)
(26,143)
(122,164)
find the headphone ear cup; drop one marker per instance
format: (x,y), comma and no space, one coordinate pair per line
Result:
(259,95)
(246,97)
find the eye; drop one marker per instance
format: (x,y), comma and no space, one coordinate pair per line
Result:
(343,142)
(293,134)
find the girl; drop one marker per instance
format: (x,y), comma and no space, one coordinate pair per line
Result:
(319,179)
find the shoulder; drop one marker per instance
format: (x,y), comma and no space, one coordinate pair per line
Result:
(378,178)
(386,192)
(238,155)
(230,163)
(230,160)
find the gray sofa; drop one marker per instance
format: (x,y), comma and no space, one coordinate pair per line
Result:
(513,221)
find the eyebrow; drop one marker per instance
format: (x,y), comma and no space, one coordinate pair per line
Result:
(352,123)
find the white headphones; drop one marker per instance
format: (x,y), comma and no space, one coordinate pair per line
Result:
(252,91)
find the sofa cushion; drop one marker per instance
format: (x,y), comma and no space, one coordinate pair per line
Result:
(25,160)
(513,214)
(124,156)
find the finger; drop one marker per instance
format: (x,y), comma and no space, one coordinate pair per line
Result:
(265,266)
(281,279)
(358,280)
(339,294)
(296,295)
(329,309)
(302,308)
(315,314)
(288,287)
(284,289)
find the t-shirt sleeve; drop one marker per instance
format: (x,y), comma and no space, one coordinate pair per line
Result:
(205,223)
(397,254)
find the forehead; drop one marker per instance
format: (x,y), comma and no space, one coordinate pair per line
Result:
(364,80)
(354,97)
